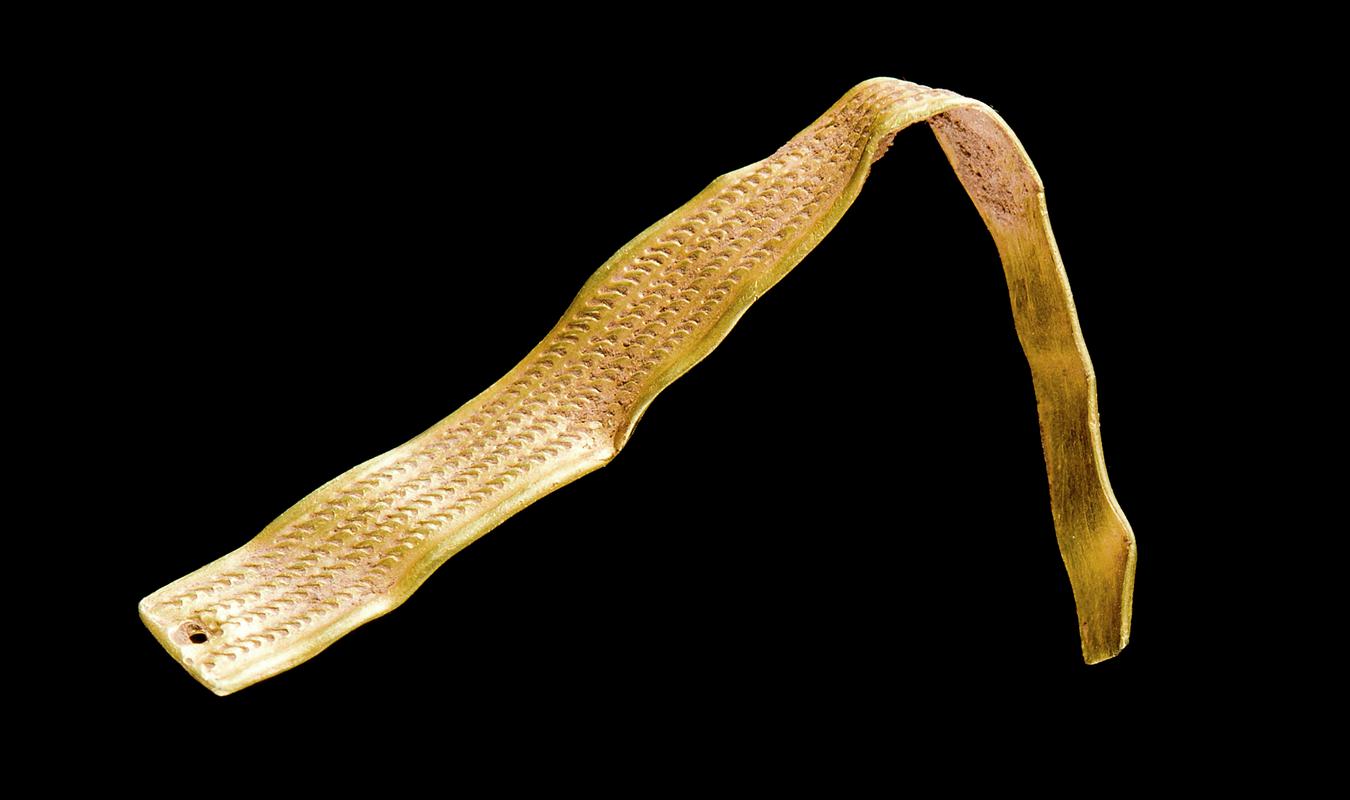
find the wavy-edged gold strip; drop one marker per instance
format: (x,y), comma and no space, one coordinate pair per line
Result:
(361,544)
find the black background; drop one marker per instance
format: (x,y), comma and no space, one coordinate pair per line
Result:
(323,242)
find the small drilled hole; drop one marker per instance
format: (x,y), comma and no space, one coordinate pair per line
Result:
(197,638)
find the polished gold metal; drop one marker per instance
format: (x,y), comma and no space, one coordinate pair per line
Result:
(361,544)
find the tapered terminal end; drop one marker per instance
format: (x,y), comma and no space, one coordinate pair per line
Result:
(1102,575)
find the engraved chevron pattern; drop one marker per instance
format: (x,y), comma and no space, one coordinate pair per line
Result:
(360,545)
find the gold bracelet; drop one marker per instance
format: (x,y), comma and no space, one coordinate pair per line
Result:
(361,544)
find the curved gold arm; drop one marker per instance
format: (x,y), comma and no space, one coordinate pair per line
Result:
(361,544)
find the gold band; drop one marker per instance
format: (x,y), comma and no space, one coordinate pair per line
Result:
(361,544)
